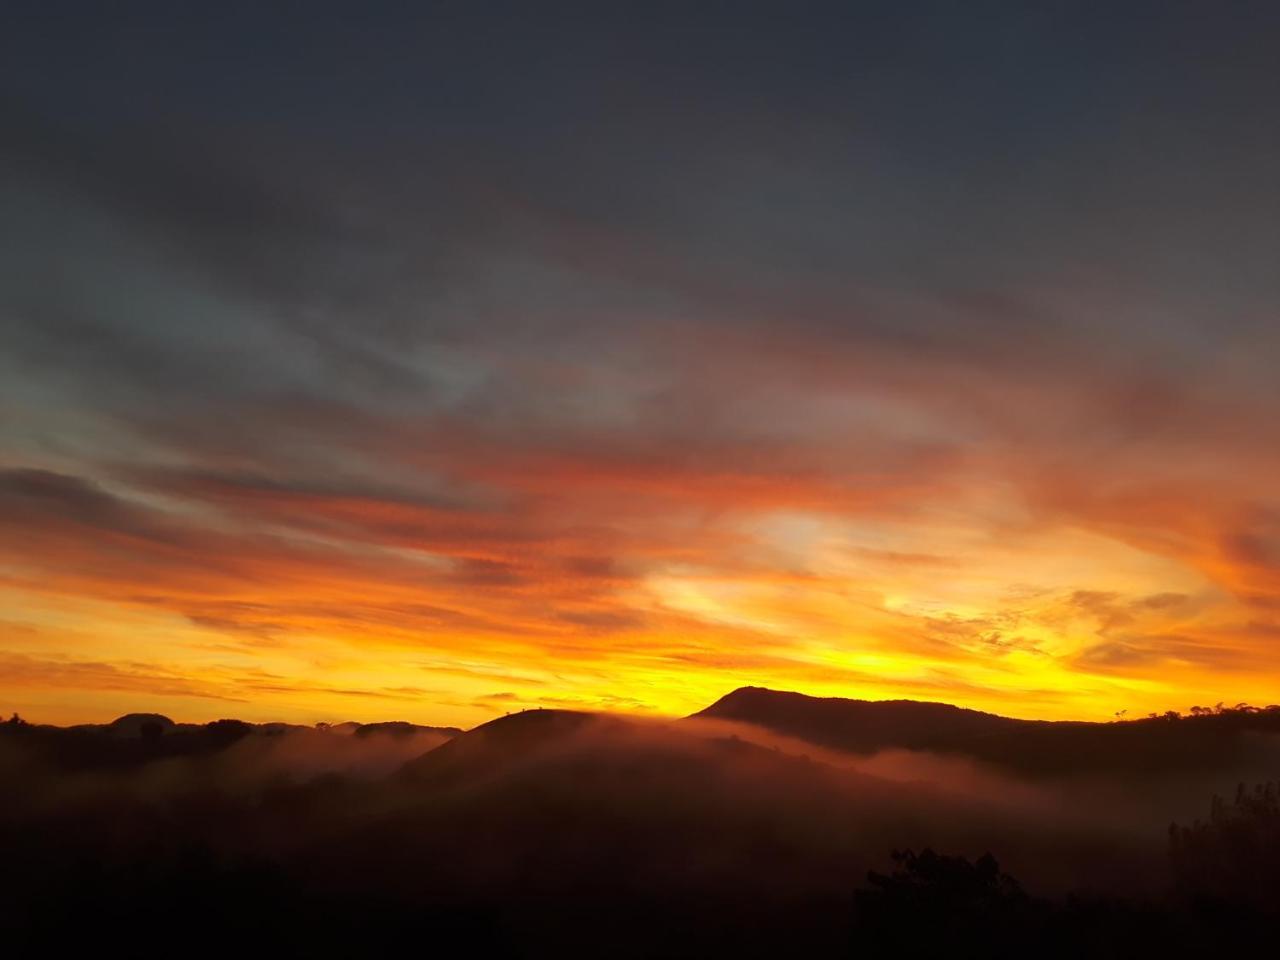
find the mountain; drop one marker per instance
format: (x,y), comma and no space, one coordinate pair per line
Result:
(138,739)
(595,805)
(141,724)
(492,746)
(863,726)
(400,728)
(1159,745)
(561,833)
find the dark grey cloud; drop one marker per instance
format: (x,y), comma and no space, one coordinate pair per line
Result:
(32,500)
(55,492)
(515,274)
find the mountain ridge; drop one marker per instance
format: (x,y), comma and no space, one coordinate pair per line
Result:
(1158,744)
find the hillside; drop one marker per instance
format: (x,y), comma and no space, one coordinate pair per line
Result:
(1165,744)
(568,830)
(137,740)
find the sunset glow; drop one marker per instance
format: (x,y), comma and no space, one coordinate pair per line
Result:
(439,408)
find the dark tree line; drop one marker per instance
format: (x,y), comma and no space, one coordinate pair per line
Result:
(1223,895)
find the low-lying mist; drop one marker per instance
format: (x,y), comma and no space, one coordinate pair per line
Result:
(558,807)
(1138,805)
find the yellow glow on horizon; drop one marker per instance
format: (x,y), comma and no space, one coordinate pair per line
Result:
(1047,621)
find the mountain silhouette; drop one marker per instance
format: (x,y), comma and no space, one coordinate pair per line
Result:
(141,724)
(138,739)
(400,728)
(863,726)
(518,737)
(580,833)
(1161,744)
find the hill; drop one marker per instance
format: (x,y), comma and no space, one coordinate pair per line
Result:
(1166,744)
(560,833)
(137,740)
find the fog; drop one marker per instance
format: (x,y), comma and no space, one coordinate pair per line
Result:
(545,812)
(1127,804)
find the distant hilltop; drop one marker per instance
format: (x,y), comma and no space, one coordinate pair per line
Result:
(1209,737)
(141,724)
(1206,739)
(134,726)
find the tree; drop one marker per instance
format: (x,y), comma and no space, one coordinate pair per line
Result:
(948,905)
(1234,856)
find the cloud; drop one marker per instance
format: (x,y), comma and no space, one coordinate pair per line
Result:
(725,388)
(18,671)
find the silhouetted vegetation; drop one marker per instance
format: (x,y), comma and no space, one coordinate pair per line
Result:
(933,905)
(946,902)
(1234,856)
(555,833)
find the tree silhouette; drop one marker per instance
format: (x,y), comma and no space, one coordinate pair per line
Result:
(948,904)
(1234,856)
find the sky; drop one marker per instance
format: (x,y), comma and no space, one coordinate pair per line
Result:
(431,361)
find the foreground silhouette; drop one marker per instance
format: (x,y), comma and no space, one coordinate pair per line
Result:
(934,905)
(553,833)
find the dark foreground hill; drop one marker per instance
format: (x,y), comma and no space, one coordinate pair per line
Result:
(555,833)
(1164,745)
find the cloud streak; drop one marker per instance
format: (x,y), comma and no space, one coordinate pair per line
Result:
(789,379)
